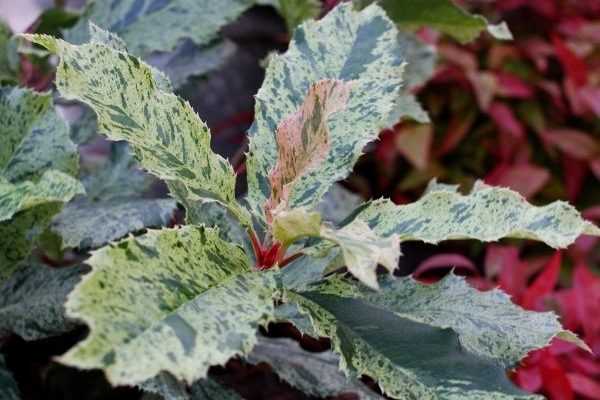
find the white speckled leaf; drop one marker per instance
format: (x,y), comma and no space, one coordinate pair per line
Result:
(303,141)
(167,136)
(8,387)
(91,225)
(487,323)
(338,203)
(158,25)
(363,249)
(442,15)
(408,359)
(33,138)
(345,45)
(32,300)
(174,300)
(316,374)
(486,214)
(7,75)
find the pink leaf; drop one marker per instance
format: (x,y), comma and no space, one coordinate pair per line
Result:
(529,378)
(591,97)
(497,257)
(413,141)
(485,85)
(555,381)
(575,172)
(527,179)
(303,138)
(445,262)
(506,120)
(574,143)
(510,85)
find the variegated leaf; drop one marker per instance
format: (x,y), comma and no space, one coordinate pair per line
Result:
(7,74)
(303,141)
(338,203)
(91,225)
(33,138)
(487,323)
(8,387)
(442,15)
(167,136)
(32,300)
(308,269)
(316,374)
(154,25)
(408,359)
(345,45)
(486,214)
(174,300)
(21,233)
(291,225)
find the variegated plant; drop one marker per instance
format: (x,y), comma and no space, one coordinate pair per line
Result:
(173,302)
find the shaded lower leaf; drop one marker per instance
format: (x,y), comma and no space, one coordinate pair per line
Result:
(487,323)
(91,225)
(174,300)
(32,300)
(8,386)
(316,374)
(409,360)
(170,388)
(487,214)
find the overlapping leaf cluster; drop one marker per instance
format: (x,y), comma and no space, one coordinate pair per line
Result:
(165,306)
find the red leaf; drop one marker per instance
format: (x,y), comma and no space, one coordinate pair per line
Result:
(443,263)
(529,378)
(574,173)
(585,365)
(555,381)
(586,292)
(573,66)
(591,97)
(457,129)
(584,386)
(506,120)
(543,284)
(538,51)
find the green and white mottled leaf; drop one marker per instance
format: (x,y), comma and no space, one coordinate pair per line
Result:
(84,225)
(303,141)
(441,15)
(487,323)
(158,25)
(363,250)
(486,214)
(308,269)
(174,300)
(52,187)
(8,387)
(32,300)
(170,388)
(34,139)
(346,45)
(167,136)
(316,374)
(21,233)
(408,359)
(294,12)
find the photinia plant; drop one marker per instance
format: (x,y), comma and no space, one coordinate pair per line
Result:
(166,305)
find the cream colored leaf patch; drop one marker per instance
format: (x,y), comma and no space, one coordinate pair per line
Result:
(175,300)
(486,214)
(290,225)
(363,250)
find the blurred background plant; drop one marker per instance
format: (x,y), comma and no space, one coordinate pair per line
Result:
(521,113)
